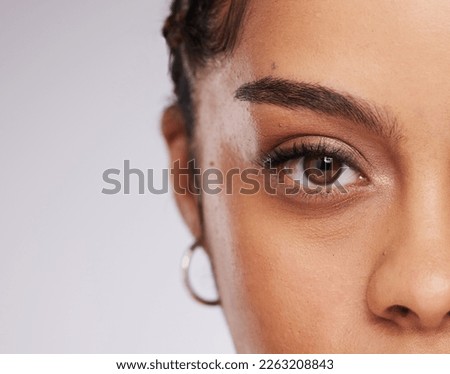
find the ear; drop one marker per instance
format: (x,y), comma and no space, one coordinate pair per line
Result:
(174,131)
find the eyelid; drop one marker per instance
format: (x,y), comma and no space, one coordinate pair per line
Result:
(309,144)
(297,148)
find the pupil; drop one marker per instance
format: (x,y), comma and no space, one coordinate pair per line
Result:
(322,170)
(325,163)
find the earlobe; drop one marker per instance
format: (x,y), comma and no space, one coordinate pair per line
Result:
(173,127)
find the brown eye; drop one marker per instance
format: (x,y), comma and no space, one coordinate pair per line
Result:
(318,169)
(322,170)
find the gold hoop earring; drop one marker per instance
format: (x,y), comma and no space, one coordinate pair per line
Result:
(185,265)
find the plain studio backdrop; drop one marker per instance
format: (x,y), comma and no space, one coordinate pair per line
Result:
(82,86)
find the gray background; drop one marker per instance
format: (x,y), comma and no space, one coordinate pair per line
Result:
(82,84)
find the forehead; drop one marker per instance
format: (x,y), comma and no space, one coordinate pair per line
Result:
(393,53)
(351,41)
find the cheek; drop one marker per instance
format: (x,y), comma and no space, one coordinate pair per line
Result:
(290,283)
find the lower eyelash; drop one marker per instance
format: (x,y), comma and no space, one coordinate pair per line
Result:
(292,189)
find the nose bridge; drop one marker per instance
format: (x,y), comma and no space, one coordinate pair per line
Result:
(424,214)
(411,283)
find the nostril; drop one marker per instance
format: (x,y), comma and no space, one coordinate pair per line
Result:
(400,310)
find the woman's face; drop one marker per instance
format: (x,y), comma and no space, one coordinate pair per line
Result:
(353,97)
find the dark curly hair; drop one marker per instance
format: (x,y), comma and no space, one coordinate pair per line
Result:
(197,31)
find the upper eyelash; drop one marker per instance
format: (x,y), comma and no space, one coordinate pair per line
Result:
(280,155)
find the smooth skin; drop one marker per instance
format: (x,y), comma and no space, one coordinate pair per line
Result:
(363,271)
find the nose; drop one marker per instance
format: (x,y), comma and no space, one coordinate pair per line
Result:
(410,286)
(412,295)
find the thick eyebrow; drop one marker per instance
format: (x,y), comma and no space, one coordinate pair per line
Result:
(293,95)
